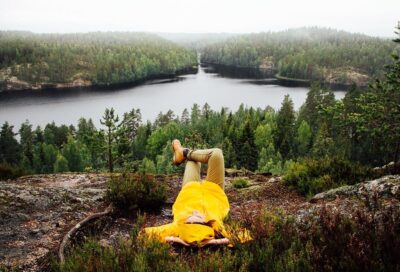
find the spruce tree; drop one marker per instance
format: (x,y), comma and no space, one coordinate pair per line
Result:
(248,152)
(74,153)
(285,120)
(10,150)
(26,140)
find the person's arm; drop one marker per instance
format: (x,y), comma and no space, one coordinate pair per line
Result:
(173,239)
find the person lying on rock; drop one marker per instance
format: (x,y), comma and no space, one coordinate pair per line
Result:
(201,206)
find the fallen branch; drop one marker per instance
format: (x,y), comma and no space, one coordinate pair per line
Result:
(72,231)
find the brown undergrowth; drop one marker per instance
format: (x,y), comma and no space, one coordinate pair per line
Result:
(365,240)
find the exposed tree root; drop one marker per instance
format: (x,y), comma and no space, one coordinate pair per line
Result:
(72,231)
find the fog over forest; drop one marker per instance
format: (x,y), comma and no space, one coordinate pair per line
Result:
(375,18)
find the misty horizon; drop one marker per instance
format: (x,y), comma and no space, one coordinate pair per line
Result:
(198,17)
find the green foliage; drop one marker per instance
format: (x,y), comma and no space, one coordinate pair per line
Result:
(11,172)
(303,138)
(247,151)
(130,192)
(10,151)
(75,154)
(61,164)
(270,161)
(363,127)
(312,176)
(98,58)
(374,117)
(324,145)
(147,167)
(110,120)
(285,122)
(160,136)
(304,53)
(240,183)
(44,157)
(332,241)
(26,141)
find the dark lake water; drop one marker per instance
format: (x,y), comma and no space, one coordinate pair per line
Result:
(67,106)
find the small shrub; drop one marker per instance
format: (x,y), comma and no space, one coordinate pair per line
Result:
(331,242)
(240,183)
(312,176)
(147,167)
(132,192)
(8,171)
(354,242)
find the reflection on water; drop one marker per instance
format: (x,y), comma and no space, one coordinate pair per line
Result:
(67,106)
(238,72)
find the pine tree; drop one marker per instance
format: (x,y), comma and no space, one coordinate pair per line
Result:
(110,120)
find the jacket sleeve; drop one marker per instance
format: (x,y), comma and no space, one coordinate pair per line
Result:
(161,232)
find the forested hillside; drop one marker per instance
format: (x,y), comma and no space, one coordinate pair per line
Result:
(328,142)
(30,60)
(306,53)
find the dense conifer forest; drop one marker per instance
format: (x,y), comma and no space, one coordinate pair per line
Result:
(329,141)
(99,58)
(306,53)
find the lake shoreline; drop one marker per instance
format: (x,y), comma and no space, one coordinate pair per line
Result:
(158,78)
(272,77)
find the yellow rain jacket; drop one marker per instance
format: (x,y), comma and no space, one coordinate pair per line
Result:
(205,197)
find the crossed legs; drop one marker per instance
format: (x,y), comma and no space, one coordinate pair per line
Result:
(216,168)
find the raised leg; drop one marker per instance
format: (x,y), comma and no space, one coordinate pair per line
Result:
(192,172)
(215,160)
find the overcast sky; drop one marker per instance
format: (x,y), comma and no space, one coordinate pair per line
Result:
(372,17)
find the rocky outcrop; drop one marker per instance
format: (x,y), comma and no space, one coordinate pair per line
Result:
(9,82)
(345,76)
(267,65)
(372,199)
(385,187)
(37,211)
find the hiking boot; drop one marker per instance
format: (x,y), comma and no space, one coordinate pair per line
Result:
(178,151)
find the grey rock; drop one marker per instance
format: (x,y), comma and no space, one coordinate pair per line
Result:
(387,186)
(35,231)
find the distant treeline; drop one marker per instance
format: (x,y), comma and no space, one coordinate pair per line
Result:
(305,53)
(98,57)
(325,144)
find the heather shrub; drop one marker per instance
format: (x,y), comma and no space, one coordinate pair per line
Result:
(355,242)
(131,192)
(240,183)
(330,242)
(8,171)
(312,176)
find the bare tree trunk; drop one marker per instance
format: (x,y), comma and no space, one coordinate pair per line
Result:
(110,162)
(72,231)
